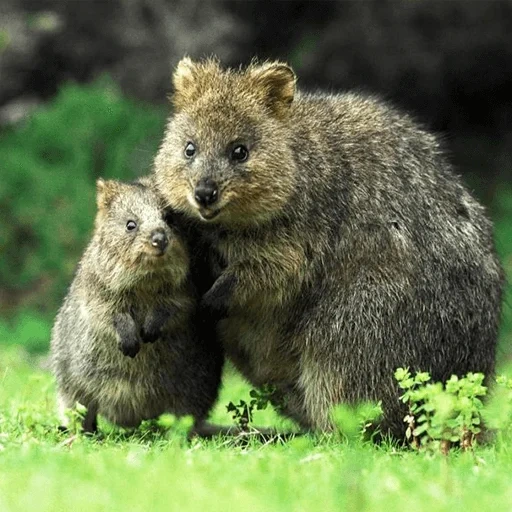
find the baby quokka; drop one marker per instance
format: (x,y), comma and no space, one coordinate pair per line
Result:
(126,342)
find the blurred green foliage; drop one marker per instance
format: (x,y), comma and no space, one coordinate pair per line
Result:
(501,212)
(28,329)
(49,166)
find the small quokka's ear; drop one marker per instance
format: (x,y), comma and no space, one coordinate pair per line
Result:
(183,74)
(106,191)
(183,82)
(276,82)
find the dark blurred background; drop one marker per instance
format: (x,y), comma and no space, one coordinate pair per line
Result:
(83,87)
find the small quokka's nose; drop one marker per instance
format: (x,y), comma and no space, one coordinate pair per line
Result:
(159,240)
(206,192)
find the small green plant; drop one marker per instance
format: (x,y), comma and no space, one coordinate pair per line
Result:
(75,416)
(180,425)
(358,422)
(498,411)
(167,426)
(243,411)
(438,415)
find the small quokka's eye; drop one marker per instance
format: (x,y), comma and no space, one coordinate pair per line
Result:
(131,225)
(239,153)
(190,150)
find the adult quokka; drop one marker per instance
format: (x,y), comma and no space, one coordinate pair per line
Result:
(350,247)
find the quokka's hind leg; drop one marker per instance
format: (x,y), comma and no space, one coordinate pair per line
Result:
(322,390)
(63,404)
(89,424)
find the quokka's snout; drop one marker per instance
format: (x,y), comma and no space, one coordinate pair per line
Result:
(206,192)
(159,241)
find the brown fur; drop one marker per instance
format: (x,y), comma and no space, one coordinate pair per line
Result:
(349,246)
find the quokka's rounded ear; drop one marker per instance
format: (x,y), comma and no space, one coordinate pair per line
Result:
(106,191)
(184,83)
(276,82)
(183,74)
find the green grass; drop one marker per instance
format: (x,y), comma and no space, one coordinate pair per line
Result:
(43,470)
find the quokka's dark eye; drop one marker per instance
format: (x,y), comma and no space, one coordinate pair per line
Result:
(131,225)
(239,153)
(190,150)
(169,218)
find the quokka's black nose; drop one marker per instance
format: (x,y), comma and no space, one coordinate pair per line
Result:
(159,240)
(206,192)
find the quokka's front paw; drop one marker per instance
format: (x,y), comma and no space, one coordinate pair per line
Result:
(127,332)
(154,322)
(217,298)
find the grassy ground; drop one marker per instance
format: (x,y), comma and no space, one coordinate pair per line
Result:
(42,470)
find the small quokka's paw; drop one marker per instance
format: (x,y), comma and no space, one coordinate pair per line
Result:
(217,298)
(129,348)
(154,322)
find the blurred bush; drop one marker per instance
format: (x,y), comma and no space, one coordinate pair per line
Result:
(501,212)
(26,329)
(47,196)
